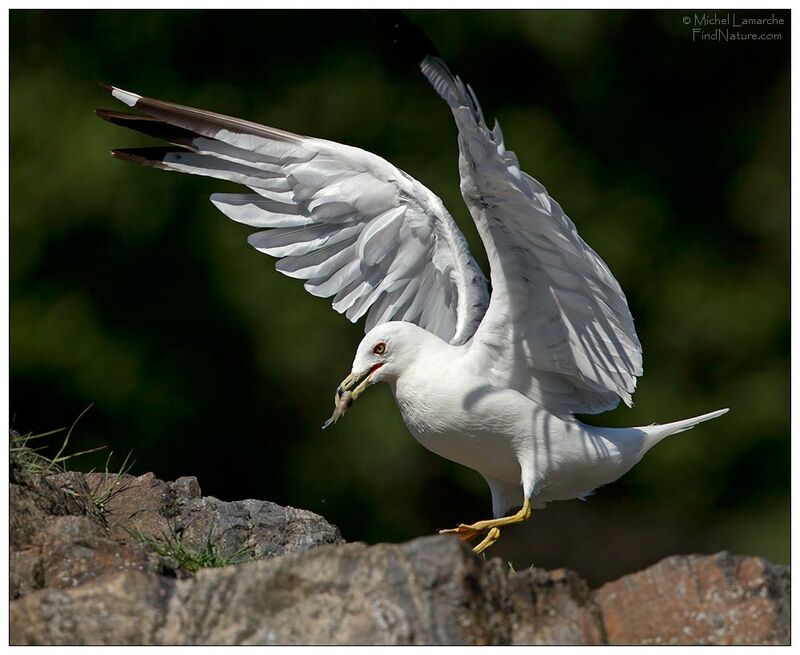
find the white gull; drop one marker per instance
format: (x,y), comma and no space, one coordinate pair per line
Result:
(491,381)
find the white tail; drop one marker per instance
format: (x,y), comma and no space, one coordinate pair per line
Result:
(656,433)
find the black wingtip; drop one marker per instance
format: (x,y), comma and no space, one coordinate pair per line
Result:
(106,115)
(141,156)
(130,154)
(150,156)
(106,86)
(123,118)
(146,124)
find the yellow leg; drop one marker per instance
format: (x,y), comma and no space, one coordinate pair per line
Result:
(469,532)
(492,536)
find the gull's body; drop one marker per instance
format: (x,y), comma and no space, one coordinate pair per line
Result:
(491,381)
(520,448)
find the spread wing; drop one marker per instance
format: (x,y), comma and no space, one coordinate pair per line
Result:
(350,224)
(558,327)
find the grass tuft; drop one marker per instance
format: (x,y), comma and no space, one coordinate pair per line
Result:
(32,461)
(111,483)
(192,559)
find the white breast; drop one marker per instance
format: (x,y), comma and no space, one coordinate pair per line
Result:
(457,418)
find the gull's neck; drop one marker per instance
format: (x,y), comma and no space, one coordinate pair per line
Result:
(425,356)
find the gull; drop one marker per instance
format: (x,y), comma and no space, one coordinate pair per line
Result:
(491,381)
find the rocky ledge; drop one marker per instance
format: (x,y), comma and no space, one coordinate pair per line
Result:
(116,559)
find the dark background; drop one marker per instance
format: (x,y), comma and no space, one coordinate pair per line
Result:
(131,292)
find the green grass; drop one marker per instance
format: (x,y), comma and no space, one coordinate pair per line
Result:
(192,559)
(30,458)
(32,461)
(26,452)
(111,484)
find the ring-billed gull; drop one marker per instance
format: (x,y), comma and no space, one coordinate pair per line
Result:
(491,381)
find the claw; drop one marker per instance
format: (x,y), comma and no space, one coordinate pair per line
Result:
(463,532)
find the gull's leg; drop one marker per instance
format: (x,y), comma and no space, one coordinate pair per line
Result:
(469,532)
(491,536)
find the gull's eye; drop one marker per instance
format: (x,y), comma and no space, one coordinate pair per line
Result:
(379,348)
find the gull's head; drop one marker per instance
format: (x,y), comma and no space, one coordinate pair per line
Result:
(386,350)
(383,354)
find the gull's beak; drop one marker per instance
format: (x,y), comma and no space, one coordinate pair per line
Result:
(348,392)
(348,383)
(357,382)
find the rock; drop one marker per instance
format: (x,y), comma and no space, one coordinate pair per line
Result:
(719,599)
(149,506)
(58,539)
(694,599)
(431,590)
(123,608)
(27,572)
(553,607)
(74,550)
(82,573)
(33,499)
(67,529)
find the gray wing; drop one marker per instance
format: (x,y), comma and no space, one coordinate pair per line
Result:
(350,224)
(558,327)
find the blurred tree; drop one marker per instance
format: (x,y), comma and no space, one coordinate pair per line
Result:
(131,292)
